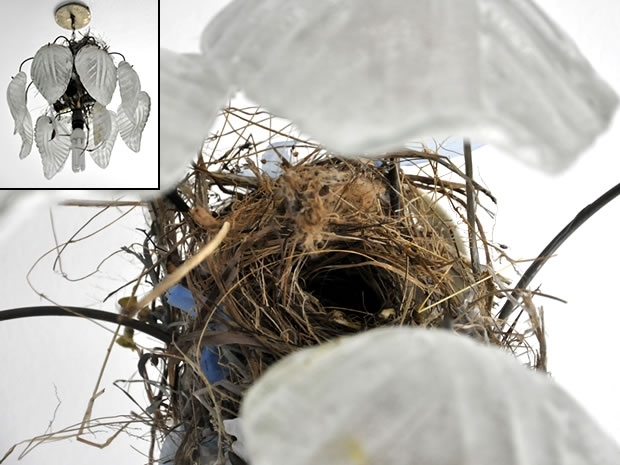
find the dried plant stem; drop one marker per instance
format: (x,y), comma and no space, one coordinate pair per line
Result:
(96,392)
(471,208)
(178,274)
(104,203)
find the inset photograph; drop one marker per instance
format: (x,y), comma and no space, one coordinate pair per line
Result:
(82,90)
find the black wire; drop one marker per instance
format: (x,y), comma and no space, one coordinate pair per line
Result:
(48,310)
(23,62)
(557,241)
(118,53)
(175,199)
(392,175)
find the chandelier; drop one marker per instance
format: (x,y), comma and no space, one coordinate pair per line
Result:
(77,78)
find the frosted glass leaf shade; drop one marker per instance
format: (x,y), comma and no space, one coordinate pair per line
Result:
(16,96)
(54,150)
(97,72)
(192,95)
(365,80)
(129,85)
(402,396)
(51,70)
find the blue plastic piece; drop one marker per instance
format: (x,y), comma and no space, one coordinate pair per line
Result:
(209,364)
(181,297)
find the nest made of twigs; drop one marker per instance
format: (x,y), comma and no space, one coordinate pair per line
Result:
(326,248)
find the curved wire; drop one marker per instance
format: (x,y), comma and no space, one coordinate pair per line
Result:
(24,62)
(48,310)
(61,37)
(550,249)
(117,53)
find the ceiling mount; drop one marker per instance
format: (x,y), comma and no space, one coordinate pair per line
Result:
(72,15)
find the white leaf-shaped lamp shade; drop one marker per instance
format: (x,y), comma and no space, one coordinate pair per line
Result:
(365,80)
(270,161)
(26,134)
(402,396)
(97,72)
(51,70)
(192,95)
(101,120)
(129,86)
(103,135)
(53,141)
(16,97)
(131,128)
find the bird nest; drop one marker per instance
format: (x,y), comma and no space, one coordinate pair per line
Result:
(319,247)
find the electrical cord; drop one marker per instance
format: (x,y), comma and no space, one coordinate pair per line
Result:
(26,312)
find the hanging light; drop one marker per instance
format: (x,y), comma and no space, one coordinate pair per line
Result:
(77,78)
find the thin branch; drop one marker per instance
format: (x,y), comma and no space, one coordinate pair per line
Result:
(104,203)
(178,274)
(471,208)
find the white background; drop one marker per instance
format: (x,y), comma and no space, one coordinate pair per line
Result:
(533,207)
(128,27)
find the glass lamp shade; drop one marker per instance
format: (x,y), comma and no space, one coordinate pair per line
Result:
(365,81)
(79,77)
(399,396)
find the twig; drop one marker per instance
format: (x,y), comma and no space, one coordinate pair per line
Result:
(444,161)
(104,203)
(49,427)
(471,208)
(96,393)
(178,274)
